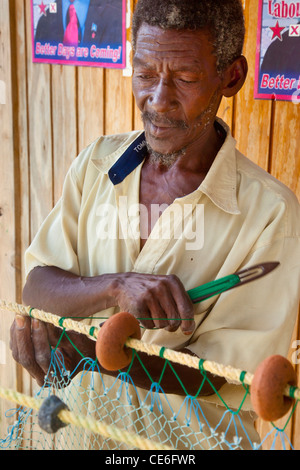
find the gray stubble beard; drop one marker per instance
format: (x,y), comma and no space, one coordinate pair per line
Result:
(205,119)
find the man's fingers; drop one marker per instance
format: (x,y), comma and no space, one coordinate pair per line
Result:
(41,345)
(170,307)
(170,313)
(157,312)
(184,306)
(161,299)
(23,349)
(142,314)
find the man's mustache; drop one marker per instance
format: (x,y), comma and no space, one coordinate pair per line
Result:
(158,119)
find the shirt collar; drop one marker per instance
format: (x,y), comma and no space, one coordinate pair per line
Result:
(121,151)
(219,185)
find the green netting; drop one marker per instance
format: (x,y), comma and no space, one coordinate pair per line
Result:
(149,414)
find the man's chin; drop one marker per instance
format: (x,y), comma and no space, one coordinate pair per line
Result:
(165,145)
(162,154)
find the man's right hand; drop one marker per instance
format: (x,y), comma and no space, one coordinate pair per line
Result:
(157,301)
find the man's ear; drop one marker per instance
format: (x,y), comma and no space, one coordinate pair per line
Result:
(234,77)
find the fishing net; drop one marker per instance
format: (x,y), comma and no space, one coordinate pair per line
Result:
(94,411)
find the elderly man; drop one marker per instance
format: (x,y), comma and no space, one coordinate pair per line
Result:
(126,233)
(75,22)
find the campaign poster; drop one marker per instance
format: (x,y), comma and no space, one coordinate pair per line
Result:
(277,74)
(79,32)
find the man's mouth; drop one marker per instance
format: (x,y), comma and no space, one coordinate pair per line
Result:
(160,131)
(164,124)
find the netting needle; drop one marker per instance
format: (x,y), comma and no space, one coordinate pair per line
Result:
(239,278)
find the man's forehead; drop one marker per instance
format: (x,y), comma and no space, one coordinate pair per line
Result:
(153,38)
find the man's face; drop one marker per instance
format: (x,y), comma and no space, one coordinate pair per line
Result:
(176,86)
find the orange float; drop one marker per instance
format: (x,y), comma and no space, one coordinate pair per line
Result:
(111,351)
(270,379)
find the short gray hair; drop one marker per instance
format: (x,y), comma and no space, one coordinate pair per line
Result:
(224,19)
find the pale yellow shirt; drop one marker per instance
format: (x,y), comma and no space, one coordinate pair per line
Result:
(238,217)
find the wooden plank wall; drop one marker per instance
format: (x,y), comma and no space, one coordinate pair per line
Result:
(49,113)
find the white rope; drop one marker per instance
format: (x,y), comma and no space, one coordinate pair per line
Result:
(231,374)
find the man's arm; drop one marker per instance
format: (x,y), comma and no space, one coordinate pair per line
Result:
(161,299)
(65,294)
(62,293)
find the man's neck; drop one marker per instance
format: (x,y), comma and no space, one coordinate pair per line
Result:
(196,158)
(161,184)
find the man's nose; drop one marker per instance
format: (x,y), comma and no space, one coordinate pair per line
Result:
(163,96)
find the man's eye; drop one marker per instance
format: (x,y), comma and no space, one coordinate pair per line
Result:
(144,76)
(187,81)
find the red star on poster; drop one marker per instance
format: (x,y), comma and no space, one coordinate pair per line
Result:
(277,31)
(42,9)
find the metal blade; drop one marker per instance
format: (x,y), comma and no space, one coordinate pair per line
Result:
(255,272)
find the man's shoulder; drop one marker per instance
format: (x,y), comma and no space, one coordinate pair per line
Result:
(263,186)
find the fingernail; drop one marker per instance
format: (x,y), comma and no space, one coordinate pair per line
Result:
(190,331)
(35,324)
(20,321)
